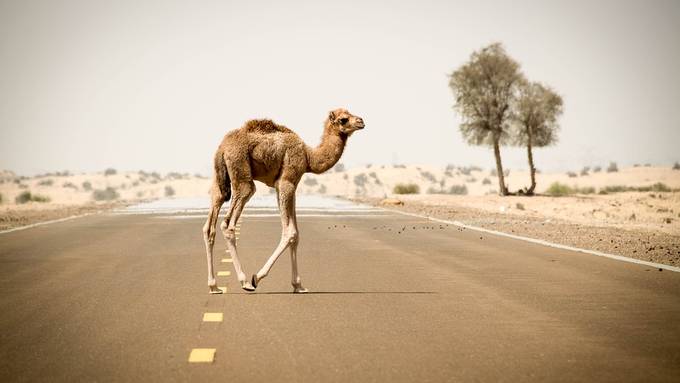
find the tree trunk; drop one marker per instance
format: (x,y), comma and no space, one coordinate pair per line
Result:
(532,169)
(499,168)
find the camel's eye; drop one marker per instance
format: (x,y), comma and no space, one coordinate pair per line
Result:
(343,121)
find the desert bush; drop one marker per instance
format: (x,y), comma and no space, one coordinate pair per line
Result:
(572,174)
(155,175)
(612,168)
(135,184)
(636,165)
(519,206)
(658,187)
(614,189)
(486,181)
(406,189)
(597,169)
(175,176)
(322,189)
(107,194)
(557,189)
(428,176)
(360,180)
(169,191)
(676,166)
(339,167)
(471,179)
(585,170)
(458,190)
(433,190)
(310,181)
(368,166)
(464,170)
(26,196)
(69,185)
(110,172)
(87,186)
(47,182)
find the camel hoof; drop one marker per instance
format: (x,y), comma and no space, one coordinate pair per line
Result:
(215,290)
(299,290)
(247,286)
(254,281)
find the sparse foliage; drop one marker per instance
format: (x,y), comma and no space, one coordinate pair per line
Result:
(107,194)
(406,189)
(27,196)
(87,186)
(535,116)
(110,172)
(612,168)
(169,191)
(310,181)
(339,167)
(485,88)
(676,166)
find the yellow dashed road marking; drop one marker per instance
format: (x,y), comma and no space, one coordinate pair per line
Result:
(202,355)
(227,260)
(223,273)
(213,317)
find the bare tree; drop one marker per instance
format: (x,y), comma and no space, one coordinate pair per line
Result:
(537,110)
(485,88)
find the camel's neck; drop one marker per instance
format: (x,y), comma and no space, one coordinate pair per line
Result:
(327,154)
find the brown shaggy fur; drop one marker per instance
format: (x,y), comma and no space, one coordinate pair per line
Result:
(262,150)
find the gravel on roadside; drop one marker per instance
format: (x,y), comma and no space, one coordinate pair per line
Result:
(644,245)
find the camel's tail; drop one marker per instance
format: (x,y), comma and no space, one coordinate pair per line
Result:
(222,175)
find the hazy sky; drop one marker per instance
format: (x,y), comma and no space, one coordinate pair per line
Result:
(86,85)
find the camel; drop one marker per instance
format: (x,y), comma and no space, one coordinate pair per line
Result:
(264,151)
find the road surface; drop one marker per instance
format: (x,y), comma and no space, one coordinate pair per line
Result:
(121,297)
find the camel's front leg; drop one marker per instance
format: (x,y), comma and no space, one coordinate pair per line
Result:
(289,235)
(296,281)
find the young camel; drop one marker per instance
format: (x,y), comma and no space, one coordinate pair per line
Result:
(274,155)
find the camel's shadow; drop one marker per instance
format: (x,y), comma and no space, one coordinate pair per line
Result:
(336,292)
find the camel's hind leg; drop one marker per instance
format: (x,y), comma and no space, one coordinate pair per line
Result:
(209,230)
(242,187)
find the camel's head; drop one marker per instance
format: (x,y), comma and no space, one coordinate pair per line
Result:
(344,122)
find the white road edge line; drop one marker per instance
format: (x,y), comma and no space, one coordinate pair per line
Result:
(544,243)
(45,223)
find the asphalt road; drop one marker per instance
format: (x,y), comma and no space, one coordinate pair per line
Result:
(394,298)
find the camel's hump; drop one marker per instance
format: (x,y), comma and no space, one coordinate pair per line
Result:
(265,126)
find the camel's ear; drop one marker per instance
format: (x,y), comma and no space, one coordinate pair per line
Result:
(331,116)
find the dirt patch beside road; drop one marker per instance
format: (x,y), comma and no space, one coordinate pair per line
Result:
(634,242)
(22,215)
